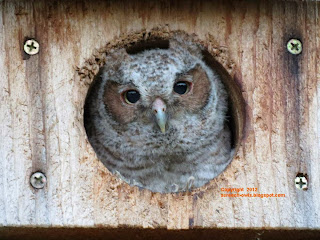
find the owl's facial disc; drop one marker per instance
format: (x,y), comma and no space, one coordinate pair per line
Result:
(159,110)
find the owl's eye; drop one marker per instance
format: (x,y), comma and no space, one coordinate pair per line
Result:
(131,96)
(181,87)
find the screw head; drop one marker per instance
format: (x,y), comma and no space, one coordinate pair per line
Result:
(301,182)
(38,180)
(31,47)
(294,46)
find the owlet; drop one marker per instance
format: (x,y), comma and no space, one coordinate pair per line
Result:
(157,118)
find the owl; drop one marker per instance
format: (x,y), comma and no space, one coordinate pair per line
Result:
(157,118)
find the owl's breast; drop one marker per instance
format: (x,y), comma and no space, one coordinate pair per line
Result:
(183,136)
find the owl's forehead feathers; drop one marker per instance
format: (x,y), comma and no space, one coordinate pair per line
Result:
(153,72)
(153,68)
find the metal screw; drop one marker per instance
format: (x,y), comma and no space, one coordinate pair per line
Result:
(38,180)
(294,46)
(301,181)
(31,47)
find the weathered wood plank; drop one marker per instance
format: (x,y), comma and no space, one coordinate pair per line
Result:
(4,117)
(16,119)
(42,100)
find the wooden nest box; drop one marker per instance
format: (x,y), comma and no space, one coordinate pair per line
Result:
(268,54)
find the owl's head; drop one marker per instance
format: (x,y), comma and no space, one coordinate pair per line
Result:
(159,88)
(157,116)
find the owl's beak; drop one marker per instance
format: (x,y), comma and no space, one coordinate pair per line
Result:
(159,110)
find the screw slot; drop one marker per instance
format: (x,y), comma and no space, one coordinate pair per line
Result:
(38,180)
(301,181)
(294,46)
(31,47)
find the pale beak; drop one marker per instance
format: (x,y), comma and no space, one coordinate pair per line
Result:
(159,110)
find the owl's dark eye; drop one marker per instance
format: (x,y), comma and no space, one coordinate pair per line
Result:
(131,96)
(181,87)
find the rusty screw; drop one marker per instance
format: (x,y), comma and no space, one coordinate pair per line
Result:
(31,47)
(301,181)
(294,46)
(38,180)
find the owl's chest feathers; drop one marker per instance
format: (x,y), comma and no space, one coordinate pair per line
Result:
(158,154)
(143,149)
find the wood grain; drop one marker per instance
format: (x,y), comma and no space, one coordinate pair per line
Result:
(41,114)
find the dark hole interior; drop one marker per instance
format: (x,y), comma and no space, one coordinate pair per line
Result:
(147,45)
(231,117)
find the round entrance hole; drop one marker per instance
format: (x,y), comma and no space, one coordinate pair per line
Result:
(162,113)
